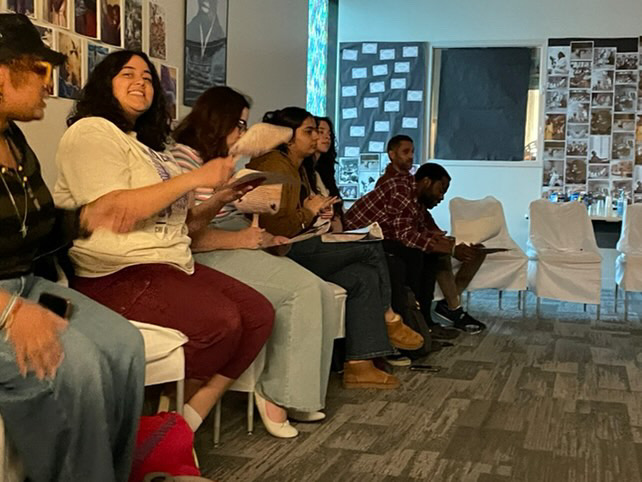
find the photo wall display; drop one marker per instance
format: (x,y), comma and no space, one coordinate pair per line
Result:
(382,94)
(88,30)
(593,118)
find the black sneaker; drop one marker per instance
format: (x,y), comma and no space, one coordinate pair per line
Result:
(459,318)
(440,333)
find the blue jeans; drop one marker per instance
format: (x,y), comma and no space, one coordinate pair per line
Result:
(361,269)
(82,424)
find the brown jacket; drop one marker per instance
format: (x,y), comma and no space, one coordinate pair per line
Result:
(292,217)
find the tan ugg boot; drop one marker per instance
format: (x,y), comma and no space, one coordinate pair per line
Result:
(402,336)
(363,374)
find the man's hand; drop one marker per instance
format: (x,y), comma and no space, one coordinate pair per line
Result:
(34,333)
(465,253)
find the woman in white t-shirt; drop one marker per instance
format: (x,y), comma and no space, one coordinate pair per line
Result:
(115,146)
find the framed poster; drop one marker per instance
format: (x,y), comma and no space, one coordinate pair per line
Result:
(205,46)
(157,31)
(26,7)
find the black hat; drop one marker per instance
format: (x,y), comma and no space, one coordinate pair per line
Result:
(18,37)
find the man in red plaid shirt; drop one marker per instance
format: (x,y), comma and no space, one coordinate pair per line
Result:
(400,206)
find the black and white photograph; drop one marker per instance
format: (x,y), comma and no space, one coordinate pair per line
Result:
(555,127)
(110,20)
(349,192)
(157,31)
(553,174)
(626,61)
(626,77)
(602,99)
(599,188)
(556,101)
(582,50)
(579,96)
(575,171)
(367,181)
(601,121)
(205,46)
(348,170)
(623,146)
(599,149)
(618,186)
(602,80)
(26,7)
(577,131)
(625,98)
(577,148)
(578,113)
(604,57)
(558,60)
(556,82)
(369,162)
(554,150)
(133,24)
(598,171)
(623,122)
(86,18)
(580,75)
(622,169)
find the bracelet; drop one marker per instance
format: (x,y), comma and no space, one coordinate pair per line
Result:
(4,317)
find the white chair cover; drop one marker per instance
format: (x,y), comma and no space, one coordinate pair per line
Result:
(628,265)
(564,260)
(483,221)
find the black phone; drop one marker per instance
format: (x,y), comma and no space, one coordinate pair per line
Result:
(57,304)
(425,368)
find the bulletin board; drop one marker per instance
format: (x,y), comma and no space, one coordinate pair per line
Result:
(382,93)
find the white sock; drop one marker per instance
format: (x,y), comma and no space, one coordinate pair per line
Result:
(191,416)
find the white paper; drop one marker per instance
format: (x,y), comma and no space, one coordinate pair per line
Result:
(412,51)
(351,151)
(415,96)
(391,106)
(369,48)
(375,146)
(349,91)
(381,69)
(370,102)
(350,54)
(376,87)
(400,67)
(387,54)
(398,83)
(382,126)
(357,131)
(349,113)
(359,73)
(409,123)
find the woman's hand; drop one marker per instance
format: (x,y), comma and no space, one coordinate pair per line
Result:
(216,172)
(326,213)
(227,194)
(317,203)
(34,333)
(254,238)
(110,212)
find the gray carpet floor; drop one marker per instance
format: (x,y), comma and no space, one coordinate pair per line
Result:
(557,398)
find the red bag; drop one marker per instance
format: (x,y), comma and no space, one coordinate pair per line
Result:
(164,444)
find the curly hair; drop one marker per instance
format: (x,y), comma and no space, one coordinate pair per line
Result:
(214,116)
(97,100)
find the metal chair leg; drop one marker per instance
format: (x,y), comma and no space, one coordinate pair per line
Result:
(217,423)
(615,298)
(500,299)
(180,396)
(598,312)
(584,307)
(519,300)
(537,307)
(626,305)
(524,295)
(250,413)
(467,300)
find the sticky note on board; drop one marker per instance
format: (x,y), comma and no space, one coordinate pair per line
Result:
(377,87)
(401,67)
(391,106)
(375,146)
(359,73)
(382,126)
(370,102)
(381,69)
(369,48)
(351,151)
(409,122)
(398,83)
(349,91)
(357,131)
(410,51)
(415,96)
(350,54)
(349,113)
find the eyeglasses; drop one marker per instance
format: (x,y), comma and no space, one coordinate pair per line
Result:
(43,69)
(242,125)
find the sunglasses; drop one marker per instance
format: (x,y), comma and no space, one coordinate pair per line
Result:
(242,125)
(43,69)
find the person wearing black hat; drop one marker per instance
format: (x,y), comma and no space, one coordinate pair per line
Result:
(70,389)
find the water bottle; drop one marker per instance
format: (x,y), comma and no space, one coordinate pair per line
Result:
(621,202)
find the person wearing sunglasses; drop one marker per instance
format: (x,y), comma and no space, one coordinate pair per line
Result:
(71,390)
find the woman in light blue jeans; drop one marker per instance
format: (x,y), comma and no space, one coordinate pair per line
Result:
(299,352)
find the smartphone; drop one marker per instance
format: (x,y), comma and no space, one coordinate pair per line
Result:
(425,368)
(57,304)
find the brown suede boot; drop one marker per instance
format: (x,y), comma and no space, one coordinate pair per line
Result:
(363,374)
(402,336)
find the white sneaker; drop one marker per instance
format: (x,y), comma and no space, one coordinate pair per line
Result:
(398,361)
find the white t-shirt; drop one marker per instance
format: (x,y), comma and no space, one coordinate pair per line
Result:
(95,158)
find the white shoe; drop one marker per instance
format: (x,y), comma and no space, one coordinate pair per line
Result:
(299,416)
(277,429)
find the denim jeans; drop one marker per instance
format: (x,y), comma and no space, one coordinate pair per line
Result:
(361,269)
(80,425)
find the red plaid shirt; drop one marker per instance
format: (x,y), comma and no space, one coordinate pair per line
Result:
(395,207)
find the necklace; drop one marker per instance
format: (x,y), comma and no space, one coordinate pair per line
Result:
(22,219)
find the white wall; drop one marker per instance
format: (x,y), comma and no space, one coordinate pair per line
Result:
(465,21)
(267,55)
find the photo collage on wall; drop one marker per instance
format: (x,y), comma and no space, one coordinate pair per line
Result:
(382,94)
(593,118)
(86,31)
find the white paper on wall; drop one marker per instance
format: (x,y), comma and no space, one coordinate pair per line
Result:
(375,146)
(371,102)
(401,67)
(349,91)
(381,69)
(369,48)
(409,122)
(415,96)
(359,73)
(357,131)
(350,54)
(377,87)
(382,126)
(412,51)
(398,83)
(349,113)
(391,106)
(387,54)
(351,151)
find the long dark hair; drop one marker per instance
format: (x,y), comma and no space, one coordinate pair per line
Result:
(97,100)
(327,161)
(215,114)
(292,117)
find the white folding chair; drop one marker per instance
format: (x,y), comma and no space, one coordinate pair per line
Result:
(628,265)
(483,221)
(564,260)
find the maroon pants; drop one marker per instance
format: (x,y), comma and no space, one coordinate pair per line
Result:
(227,322)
